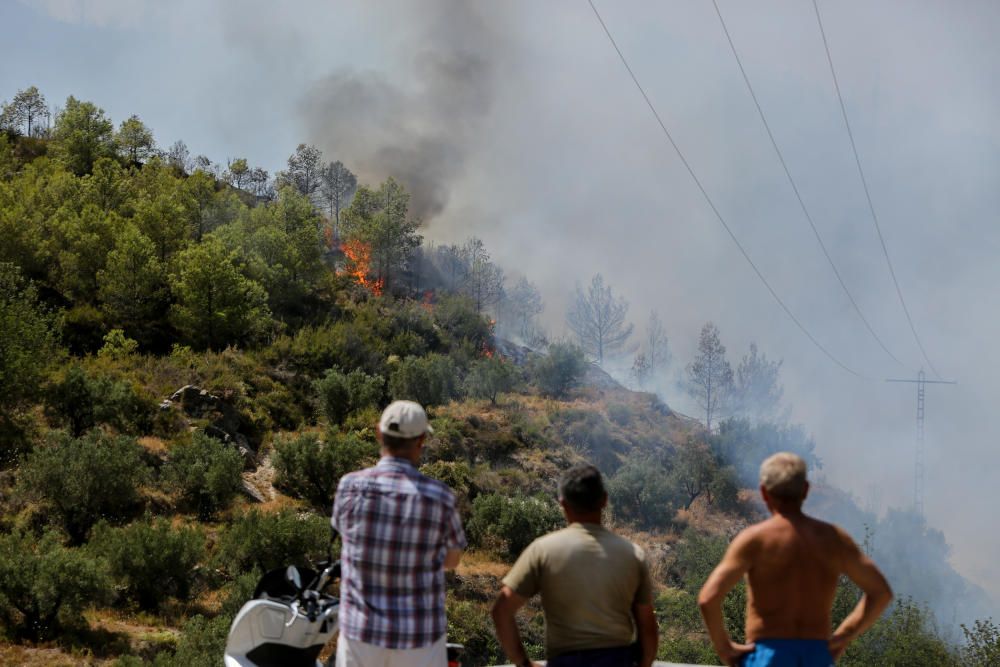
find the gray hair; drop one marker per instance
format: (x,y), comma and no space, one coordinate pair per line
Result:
(783,475)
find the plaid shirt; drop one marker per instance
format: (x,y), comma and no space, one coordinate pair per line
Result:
(396,525)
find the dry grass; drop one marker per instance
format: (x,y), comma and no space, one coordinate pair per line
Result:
(478,563)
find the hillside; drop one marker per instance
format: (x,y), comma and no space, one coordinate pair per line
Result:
(194,355)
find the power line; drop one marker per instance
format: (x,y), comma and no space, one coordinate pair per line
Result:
(711,204)
(795,188)
(868,196)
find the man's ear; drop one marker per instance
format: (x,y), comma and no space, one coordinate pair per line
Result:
(805,494)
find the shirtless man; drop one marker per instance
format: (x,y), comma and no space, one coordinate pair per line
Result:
(792,563)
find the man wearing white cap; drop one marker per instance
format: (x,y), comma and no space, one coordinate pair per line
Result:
(400,531)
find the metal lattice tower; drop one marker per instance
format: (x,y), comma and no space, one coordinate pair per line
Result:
(918,467)
(918,461)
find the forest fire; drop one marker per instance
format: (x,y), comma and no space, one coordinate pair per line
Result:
(488,349)
(359,257)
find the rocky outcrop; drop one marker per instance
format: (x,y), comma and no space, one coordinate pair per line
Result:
(224,422)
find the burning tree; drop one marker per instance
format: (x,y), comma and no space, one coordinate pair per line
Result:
(359,259)
(376,230)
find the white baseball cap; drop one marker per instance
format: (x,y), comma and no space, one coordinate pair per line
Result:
(404,419)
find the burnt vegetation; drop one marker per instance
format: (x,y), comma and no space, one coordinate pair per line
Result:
(194,354)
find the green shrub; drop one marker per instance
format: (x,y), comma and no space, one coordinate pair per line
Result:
(80,401)
(84,479)
(469,624)
(560,370)
(456,474)
(310,468)
(697,555)
(905,637)
(202,643)
(341,394)
(267,541)
(678,611)
(982,644)
(687,650)
(641,492)
(45,586)
(430,380)
(510,523)
(458,318)
(205,472)
(490,377)
(150,559)
(312,350)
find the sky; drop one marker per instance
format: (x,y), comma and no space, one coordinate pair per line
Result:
(517,123)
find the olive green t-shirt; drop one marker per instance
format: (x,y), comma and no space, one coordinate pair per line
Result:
(589,579)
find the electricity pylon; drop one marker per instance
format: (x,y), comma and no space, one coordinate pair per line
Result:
(918,464)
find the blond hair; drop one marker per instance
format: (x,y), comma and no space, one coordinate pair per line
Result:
(783,475)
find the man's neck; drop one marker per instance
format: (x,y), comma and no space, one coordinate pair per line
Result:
(789,513)
(584,518)
(412,460)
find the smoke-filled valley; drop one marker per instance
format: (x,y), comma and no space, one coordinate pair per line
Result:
(472,183)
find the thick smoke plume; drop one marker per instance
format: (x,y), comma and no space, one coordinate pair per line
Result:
(420,131)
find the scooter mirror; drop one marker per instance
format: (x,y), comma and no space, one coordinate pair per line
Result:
(292,576)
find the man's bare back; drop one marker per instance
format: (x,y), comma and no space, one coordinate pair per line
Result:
(794,567)
(792,563)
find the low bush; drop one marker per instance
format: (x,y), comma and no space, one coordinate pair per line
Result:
(206,473)
(559,371)
(44,586)
(429,380)
(469,624)
(508,524)
(458,318)
(80,401)
(82,480)
(151,560)
(266,541)
(697,555)
(905,637)
(491,377)
(982,644)
(310,468)
(341,394)
(641,493)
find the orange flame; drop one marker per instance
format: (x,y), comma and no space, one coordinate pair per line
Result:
(428,302)
(488,350)
(359,257)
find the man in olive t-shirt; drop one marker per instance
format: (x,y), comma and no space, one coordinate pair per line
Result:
(595,587)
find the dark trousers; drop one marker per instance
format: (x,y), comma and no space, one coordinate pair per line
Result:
(619,656)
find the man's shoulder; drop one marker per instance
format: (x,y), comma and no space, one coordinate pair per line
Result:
(625,545)
(435,488)
(356,476)
(426,486)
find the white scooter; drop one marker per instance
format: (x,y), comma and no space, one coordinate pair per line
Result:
(287,623)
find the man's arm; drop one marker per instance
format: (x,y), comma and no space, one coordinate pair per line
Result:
(649,636)
(726,575)
(877,595)
(451,558)
(504,612)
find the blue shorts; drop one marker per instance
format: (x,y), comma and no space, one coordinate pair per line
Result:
(789,653)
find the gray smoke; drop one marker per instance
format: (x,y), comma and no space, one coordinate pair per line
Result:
(418,127)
